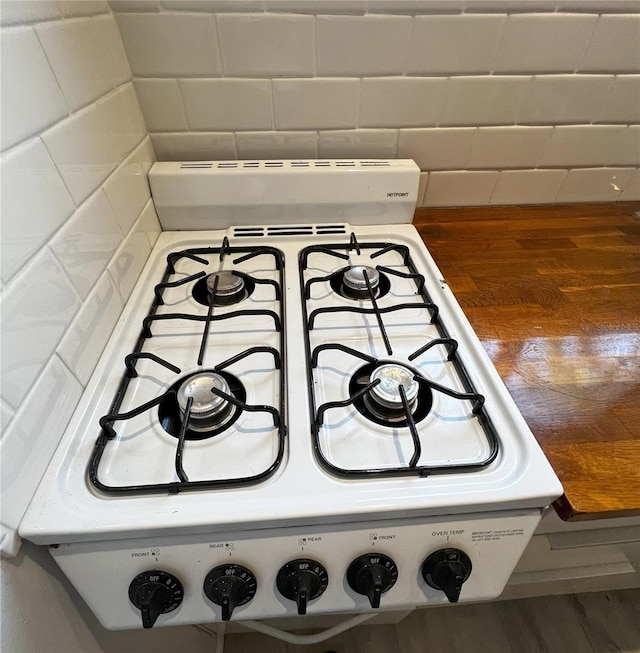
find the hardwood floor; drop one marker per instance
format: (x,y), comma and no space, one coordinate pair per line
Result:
(598,622)
(553,293)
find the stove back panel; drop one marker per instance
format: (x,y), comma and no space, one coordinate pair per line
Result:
(214,195)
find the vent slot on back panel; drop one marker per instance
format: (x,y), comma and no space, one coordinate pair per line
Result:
(266,165)
(290,230)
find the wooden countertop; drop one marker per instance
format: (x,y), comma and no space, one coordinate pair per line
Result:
(553,293)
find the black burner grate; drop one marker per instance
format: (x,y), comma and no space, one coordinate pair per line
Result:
(108,432)
(360,390)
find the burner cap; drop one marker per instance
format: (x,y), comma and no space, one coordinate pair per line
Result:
(228,283)
(353,278)
(387,392)
(208,409)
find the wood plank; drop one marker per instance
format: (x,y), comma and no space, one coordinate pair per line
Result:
(554,295)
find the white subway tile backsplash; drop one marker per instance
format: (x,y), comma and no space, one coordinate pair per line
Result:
(86,55)
(35,314)
(161,103)
(622,102)
(316,103)
(437,149)
(86,243)
(52,402)
(402,102)
(527,186)
(18,11)
(484,100)
(564,99)
(194,146)
(509,147)
(264,45)
(358,143)
(422,187)
(149,223)
(356,7)
(135,5)
(124,119)
(214,6)
(234,104)
(6,415)
(83,150)
(146,154)
(24,66)
(455,44)
(631,192)
(83,7)
(460,188)
(591,145)
(614,46)
(127,191)
(35,203)
(87,336)
(277,145)
(544,42)
(127,264)
(416,7)
(362,45)
(594,184)
(170,45)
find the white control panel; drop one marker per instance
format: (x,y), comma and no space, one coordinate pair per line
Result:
(176,577)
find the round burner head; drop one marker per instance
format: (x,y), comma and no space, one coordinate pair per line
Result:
(387,392)
(229,285)
(353,278)
(207,409)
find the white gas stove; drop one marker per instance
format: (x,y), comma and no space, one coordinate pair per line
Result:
(292,416)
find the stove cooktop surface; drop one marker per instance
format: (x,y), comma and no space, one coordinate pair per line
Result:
(348,386)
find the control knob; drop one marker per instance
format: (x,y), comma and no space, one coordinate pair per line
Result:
(446,570)
(229,586)
(302,581)
(372,574)
(154,593)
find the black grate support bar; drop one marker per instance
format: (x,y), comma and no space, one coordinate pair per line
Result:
(370,311)
(320,249)
(476,399)
(106,422)
(417,447)
(376,310)
(339,347)
(310,282)
(319,420)
(249,352)
(158,290)
(130,363)
(209,317)
(354,244)
(418,278)
(146,323)
(403,250)
(180,447)
(448,342)
(256,280)
(176,256)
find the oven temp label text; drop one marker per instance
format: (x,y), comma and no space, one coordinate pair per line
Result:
(447,533)
(489,536)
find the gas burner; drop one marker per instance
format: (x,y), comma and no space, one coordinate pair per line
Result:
(230,288)
(210,413)
(350,282)
(383,403)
